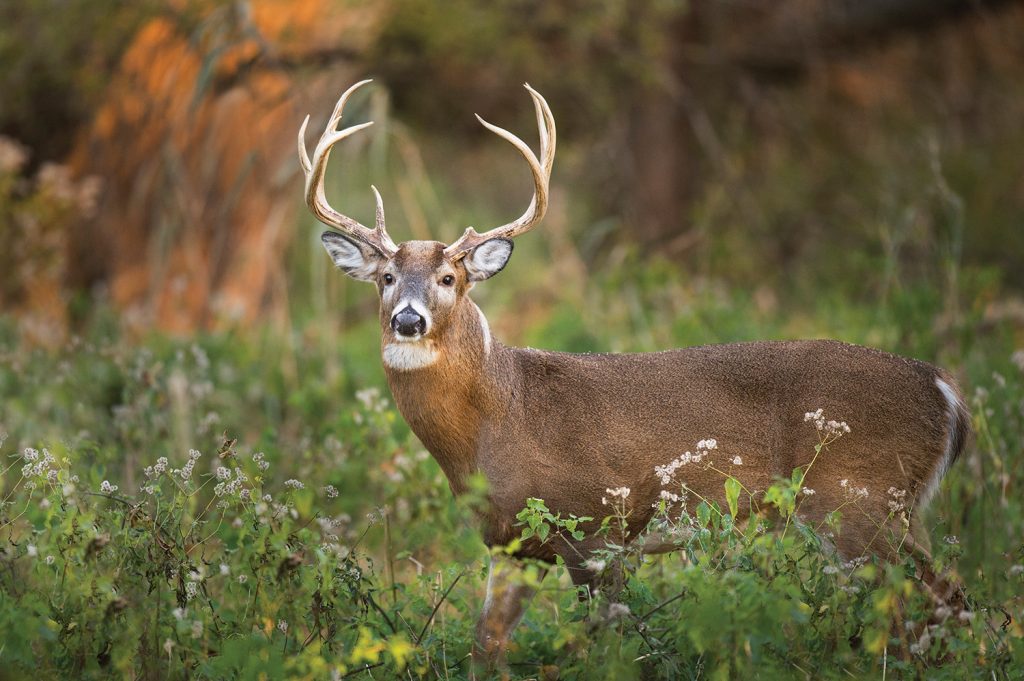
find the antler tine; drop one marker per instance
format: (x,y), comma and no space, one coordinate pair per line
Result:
(540,169)
(316,169)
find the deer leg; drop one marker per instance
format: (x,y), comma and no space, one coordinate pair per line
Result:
(509,590)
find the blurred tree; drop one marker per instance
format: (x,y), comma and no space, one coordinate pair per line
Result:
(56,57)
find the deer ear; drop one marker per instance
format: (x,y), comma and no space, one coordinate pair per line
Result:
(487,259)
(356,260)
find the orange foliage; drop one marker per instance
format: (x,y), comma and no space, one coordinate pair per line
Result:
(198,164)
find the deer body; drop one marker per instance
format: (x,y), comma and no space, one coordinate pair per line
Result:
(567,428)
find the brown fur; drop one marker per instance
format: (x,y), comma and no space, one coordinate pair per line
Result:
(565,427)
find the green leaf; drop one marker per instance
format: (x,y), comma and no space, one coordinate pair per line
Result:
(732,495)
(703,514)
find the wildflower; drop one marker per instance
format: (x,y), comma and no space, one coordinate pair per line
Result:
(951,539)
(665,495)
(966,616)
(1016,570)
(32,551)
(831,429)
(708,444)
(259,459)
(107,488)
(830,569)
(1018,359)
(191,590)
(331,492)
(737,461)
(283,626)
(223,473)
(620,492)
(807,492)
(179,613)
(44,504)
(595,565)
(617,610)
(294,484)
(225,569)
(50,560)
(242,579)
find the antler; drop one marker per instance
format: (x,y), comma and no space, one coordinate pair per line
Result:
(541,175)
(316,199)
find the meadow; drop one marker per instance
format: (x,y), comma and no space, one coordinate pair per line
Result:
(202,472)
(251,505)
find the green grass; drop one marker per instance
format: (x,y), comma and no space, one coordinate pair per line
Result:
(145,583)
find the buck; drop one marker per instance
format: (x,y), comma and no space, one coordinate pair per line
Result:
(566,428)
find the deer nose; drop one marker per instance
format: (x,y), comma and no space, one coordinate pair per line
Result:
(408,322)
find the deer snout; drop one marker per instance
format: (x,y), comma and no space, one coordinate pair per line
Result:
(408,322)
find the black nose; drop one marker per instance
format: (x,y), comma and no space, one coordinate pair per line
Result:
(408,322)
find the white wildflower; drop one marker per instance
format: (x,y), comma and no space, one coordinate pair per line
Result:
(32,551)
(283,626)
(331,492)
(737,461)
(619,492)
(807,492)
(107,488)
(225,569)
(259,458)
(50,560)
(179,613)
(1018,359)
(242,579)
(665,495)
(191,590)
(294,484)
(223,473)
(617,610)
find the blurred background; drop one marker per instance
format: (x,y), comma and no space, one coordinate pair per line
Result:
(727,170)
(790,154)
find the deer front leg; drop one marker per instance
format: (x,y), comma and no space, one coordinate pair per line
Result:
(509,590)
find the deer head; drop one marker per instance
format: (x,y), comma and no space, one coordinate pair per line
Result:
(422,284)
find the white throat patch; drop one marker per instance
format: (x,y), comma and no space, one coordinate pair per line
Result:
(408,356)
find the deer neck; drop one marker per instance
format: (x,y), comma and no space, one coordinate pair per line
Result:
(445,395)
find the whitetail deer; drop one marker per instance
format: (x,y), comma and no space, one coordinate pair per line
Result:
(566,427)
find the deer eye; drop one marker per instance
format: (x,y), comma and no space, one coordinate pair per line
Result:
(389,279)
(448,280)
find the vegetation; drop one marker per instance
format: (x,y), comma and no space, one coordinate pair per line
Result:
(325,541)
(201,472)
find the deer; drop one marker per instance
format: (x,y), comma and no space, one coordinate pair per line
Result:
(570,428)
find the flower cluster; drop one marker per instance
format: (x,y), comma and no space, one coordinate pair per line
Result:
(260,460)
(829,429)
(37,466)
(853,492)
(186,472)
(229,485)
(897,500)
(156,470)
(703,448)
